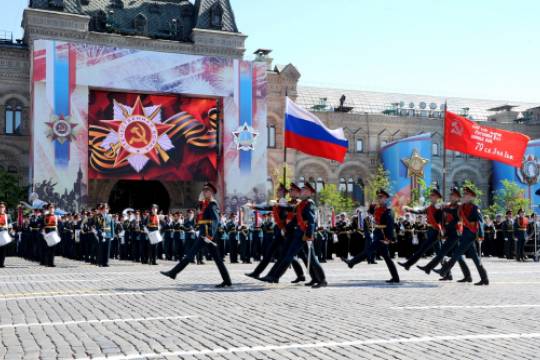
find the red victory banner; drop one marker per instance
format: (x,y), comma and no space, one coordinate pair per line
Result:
(463,135)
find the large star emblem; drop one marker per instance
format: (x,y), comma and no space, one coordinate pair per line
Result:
(415,165)
(61,129)
(245,138)
(137,135)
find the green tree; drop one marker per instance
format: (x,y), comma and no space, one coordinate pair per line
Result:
(510,197)
(331,197)
(476,189)
(379,181)
(11,191)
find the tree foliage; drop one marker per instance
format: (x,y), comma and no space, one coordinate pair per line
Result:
(379,181)
(277,178)
(510,197)
(11,191)
(471,185)
(331,197)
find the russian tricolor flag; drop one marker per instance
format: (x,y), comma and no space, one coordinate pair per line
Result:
(306,133)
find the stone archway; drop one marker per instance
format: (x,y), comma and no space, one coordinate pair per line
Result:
(138,195)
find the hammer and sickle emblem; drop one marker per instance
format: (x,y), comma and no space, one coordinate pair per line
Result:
(140,134)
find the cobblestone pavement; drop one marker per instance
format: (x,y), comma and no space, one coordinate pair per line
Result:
(129,311)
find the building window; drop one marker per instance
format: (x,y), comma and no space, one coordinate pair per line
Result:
(320,185)
(359,145)
(350,186)
(272,136)
(270,185)
(301,181)
(435,149)
(216,16)
(342,185)
(12,169)
(140,24)
(13,117)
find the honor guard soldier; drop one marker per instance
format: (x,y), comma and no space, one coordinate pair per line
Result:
(342,230)
(470,217)
(189,226)
(521,226)
(36,239)
(178,236)
(5,237)
(434,216)
(305,214)
(280,213)
(105,230)
(285,213)
(152,223)
(168,232)
(50,226)
(407,246)
(383,235)
(268,232)
(508,231)
(232,230)
(452,230)
(207,223)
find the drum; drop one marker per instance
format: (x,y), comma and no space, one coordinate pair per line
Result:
(154,237)
(52,238)
(5,238)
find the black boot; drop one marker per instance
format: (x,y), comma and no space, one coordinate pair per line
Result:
(223,285)
(168,274)
(466,279)
(392,281)
(253,275)
(483,276)
(320,285)
(269,279)
(404,265)
(311,283)
(424,269)
(298,279)
(448,277)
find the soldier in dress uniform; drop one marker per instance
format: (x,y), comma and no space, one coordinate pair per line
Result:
(256,238)
(471,218)
(488,245)
(152,223)
(406,246)
(104,226)
(508,231)
(178,236)
(320,244)
(36,239)
(343,234)
(5,226)
(452,231)
(207,223)
(421,230)
(168,234)
(434,215)
(285,218)
(383,236)
(521,226)
(368,236)
(50,224)
(136,231)
(189,226)
(304,232)
(356,245)
(232,230)
(245,244)
(499,236)
(268,232)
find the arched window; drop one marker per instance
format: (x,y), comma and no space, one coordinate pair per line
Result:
(359,145)
(301,181)
(140,24)
(320,184)
(271,136)
(350,186)
(216,16)
(342,185)
(435,149)
(13,117)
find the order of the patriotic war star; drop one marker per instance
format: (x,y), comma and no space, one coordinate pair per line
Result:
(148,145)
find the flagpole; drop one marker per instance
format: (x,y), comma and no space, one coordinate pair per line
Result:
(444,151)
(284,146)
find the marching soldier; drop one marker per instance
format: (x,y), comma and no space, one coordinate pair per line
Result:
(207,223)
(434,215)
(407,245)
(452,231)
(470,217)
(305,215)
(189,226)
(383,236)
(520,229)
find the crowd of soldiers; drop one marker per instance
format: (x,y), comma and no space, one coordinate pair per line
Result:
(450,231)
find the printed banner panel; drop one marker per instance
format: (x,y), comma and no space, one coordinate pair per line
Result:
(527,176)
(66,102)
(152,137)
(407,161)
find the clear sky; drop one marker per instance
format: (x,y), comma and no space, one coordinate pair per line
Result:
(469,48)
